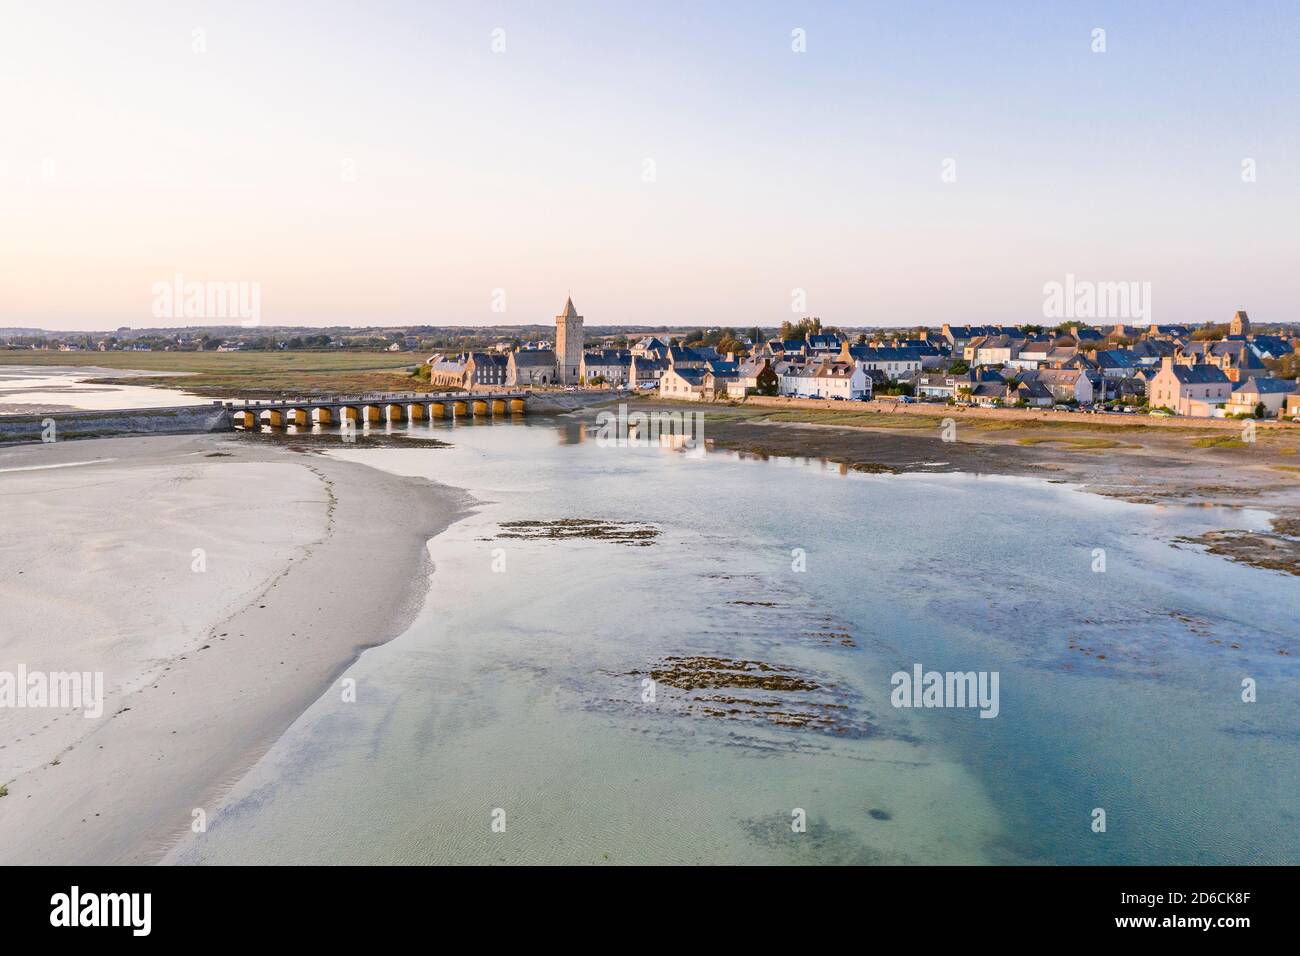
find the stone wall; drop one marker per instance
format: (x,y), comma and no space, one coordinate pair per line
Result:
(214,417)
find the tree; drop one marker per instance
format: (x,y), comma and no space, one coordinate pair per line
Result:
(808,325)
(1288,366)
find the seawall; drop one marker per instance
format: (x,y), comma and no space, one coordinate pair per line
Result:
(187,419)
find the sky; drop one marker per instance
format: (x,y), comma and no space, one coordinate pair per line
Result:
(665,163)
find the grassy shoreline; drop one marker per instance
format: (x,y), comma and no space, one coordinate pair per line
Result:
(245,374)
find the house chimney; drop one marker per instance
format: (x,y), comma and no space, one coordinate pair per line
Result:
(1167,363)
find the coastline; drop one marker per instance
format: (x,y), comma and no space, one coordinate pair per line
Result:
(1157,465)
(306,561)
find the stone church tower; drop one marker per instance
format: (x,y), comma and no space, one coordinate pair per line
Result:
(568,344)
(1239,327)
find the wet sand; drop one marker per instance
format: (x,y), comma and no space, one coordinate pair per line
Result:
(306,561)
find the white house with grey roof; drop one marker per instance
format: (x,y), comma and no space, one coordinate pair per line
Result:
(1193,390)
(1270,392)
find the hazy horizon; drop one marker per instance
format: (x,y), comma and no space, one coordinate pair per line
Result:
(409,164)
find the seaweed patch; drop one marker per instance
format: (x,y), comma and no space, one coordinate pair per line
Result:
(636,533)
(757,692)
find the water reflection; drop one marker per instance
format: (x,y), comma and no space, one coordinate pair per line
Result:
(524,688)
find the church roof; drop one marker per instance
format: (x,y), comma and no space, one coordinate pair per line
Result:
(534,358)
(569,311)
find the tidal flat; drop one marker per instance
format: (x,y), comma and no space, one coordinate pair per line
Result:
(678,703)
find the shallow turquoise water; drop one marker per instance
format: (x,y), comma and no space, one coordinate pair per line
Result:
(520,689)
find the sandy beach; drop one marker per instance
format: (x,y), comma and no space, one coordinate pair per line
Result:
(219,585)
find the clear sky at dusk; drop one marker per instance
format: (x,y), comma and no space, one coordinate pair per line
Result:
(382,163)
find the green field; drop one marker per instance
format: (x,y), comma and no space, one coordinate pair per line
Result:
(249,374)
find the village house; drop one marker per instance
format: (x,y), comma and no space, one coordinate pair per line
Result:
(791,348)
(650,347)
(987,394)
(682,383)
(644,370)
(1270,346)
(1032,354)
(1235,357)
(1067,384)
(960,337)
(1030,392)
(996,350)
(755,376)
(1193,390)
(682,357)
(608,365)
(486,369)
(1272,393)
(842,380)
(447,372)
(935,385)
(895,363)
(718,378)
(797,379)
(1115,363)
(824,341)
(1132,389)
(1148,352)
(697,384)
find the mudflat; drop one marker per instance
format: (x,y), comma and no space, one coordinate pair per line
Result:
(219,585)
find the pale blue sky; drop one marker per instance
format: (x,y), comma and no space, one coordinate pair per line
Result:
(379,163)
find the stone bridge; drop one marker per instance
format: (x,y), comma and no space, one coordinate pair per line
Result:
(375,409)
